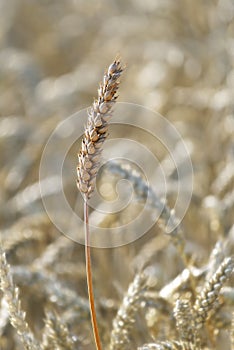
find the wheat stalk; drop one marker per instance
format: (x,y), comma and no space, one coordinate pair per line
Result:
(89,158)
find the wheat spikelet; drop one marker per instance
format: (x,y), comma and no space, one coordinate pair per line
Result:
(96,130)
(16,314)
(209,295)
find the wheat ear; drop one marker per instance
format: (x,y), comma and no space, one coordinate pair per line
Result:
(96,132)
(209,295)
(143,190)
(16,314)
(169,345)
(232,332)
(183,313)
(126,315)
(56,334)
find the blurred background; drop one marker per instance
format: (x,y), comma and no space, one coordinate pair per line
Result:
(180,63)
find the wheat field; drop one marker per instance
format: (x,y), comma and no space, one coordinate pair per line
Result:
(152,289)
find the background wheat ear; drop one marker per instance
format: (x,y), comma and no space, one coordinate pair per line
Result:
(95,133)
(12,299)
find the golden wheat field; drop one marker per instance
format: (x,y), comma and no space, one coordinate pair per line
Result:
(143,93)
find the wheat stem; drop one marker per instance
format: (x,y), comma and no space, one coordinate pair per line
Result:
(89,279)
(89,158)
